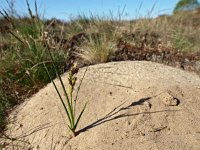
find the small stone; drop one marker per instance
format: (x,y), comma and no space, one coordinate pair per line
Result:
(169,100)
(128,123)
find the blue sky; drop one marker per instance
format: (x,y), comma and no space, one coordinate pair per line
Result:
(64,9)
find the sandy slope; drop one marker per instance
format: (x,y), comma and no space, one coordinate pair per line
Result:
(131,106)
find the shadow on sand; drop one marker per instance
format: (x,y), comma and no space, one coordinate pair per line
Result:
(112,114)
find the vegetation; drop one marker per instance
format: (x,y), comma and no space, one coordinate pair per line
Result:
(23,50)
(25,43)
(70,107)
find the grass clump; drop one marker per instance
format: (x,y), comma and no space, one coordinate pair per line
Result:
(97,50)
(101,38)
(21,72)
(70,103)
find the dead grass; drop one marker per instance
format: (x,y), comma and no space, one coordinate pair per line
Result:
(181,31)
(97,50)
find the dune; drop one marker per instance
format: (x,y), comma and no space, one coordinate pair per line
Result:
(132,105)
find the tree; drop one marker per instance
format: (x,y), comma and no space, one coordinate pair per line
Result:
(183,5)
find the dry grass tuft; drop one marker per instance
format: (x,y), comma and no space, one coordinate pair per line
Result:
(97,50)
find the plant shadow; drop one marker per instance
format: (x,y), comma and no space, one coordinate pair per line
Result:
(112,114)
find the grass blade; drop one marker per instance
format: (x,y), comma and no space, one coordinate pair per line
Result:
(58,95)
(78,91)
(65,92)
(77,121)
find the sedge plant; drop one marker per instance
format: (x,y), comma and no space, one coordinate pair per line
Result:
(70,103)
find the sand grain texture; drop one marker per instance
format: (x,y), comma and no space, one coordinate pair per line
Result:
(131,106)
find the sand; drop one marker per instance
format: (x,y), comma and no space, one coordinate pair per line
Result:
(131,106)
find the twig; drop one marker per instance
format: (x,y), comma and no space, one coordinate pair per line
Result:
(29,9)
(36,10)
